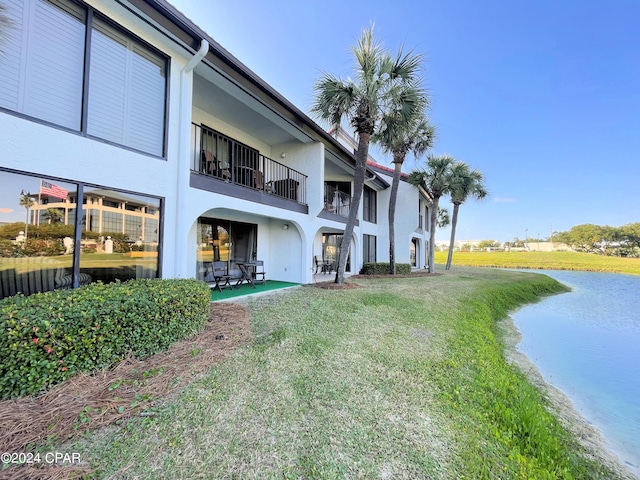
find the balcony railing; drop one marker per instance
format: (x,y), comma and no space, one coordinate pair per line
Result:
(336,201)
(218,156)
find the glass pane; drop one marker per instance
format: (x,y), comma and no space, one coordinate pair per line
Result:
(36,234)
(120,236)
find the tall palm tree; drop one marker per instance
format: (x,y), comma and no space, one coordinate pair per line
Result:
(464,183)
(435,180)
(27,202)
(399,138)
(382,82)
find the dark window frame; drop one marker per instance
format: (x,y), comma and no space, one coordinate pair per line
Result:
(84,107)
(80,210)
(369,205)
(367,242)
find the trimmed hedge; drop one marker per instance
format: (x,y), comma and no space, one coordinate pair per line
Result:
(382,268)
(48,337)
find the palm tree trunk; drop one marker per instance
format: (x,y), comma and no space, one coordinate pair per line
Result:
(454,222)
(432,233)
(358,184)
(392,214)
(26,226)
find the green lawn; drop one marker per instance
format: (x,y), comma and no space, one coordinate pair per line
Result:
(87,261)
(402,378)
(543,260)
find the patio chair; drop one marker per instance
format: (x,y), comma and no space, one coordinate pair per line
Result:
(323,265)
(220,275)
(258,269)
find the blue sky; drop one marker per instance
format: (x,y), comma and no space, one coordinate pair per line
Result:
(543,97)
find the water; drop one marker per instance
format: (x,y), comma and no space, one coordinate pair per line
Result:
(587,344)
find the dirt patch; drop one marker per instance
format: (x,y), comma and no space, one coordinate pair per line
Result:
(129,389)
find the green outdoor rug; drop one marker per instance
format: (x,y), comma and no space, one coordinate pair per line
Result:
(246,289)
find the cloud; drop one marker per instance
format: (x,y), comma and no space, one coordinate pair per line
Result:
(6,210)
(505,200)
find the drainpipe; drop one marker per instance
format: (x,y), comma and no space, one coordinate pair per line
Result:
(183,163)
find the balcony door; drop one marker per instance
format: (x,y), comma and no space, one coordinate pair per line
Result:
(225,241)
(331,243)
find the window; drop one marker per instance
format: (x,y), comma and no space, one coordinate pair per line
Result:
(368,248)
(126,91)
(41,250)
(369,205)
(43,71)
(42,61)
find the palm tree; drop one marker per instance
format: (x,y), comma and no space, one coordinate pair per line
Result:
(435,180)
(464,183)
(399,138)
(27,202)
(53,215)
(382,82)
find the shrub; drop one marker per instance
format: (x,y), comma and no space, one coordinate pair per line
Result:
(48,337)
(382,268)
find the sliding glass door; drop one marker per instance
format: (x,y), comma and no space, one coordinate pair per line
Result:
(331,250)
(224,241)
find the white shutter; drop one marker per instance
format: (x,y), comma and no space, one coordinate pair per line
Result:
(10,56)
(126,91)
(42,63)
(107,86)
(55,66)
(146,106)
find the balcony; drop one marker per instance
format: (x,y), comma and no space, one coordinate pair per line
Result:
(226,160)
(336,202)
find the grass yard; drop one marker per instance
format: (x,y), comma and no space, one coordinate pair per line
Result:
(401,378)
(544,260)
(87,261)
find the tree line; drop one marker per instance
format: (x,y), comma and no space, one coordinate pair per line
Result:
(621,241)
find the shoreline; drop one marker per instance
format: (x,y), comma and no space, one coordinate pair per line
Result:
(587,435)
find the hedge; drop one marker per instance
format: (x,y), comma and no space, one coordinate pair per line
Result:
(382,268)
(48,337)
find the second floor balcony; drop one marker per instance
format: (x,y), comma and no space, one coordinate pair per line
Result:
(227,160)
(336,202)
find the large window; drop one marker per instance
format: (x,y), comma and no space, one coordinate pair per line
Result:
(368,248)
(43,73)
(369,205)
(41,249)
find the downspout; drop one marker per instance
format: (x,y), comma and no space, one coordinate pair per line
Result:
(183,163)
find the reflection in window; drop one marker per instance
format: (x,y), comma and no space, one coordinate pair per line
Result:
(123,232)
(37,232)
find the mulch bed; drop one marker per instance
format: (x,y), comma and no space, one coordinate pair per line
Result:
(129,389)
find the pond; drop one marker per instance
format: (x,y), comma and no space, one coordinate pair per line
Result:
(587,344)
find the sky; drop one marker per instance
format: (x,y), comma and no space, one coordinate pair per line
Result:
(543,97)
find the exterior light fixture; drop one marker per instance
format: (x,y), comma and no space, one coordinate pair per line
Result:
(285,226)
(283,155)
